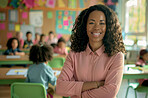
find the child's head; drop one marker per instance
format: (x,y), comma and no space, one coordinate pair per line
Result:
(50,35)
(29,35)
(144,54)
(40,53)
(42,38)
(13,43)
(37,36)
(61,43)
(19,35)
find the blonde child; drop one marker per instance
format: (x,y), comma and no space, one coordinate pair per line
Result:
(40,72)
(37,38)
(21,40)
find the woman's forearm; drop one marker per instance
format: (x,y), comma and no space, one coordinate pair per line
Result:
(91,85)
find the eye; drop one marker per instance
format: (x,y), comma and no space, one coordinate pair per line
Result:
(102,23)
(91,23)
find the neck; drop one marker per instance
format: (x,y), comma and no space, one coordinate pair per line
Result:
(95,46)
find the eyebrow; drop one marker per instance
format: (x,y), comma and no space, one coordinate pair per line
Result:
(94,20)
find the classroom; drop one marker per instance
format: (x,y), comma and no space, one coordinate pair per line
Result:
(74,48)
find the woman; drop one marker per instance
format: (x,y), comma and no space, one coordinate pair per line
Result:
(94,67)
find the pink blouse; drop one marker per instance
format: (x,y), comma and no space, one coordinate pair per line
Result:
(91,66)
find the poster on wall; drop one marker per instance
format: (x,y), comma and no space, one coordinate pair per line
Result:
(36,18)
(13,15)
(64,21)
(2,16)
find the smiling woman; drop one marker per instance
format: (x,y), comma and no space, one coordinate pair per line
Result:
(94,67)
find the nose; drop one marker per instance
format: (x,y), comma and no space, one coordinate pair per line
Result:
(97,26)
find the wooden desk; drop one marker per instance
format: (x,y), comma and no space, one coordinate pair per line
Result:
(9,79)
(21,60)
(3,49)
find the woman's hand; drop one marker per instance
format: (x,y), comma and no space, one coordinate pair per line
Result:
(92,85)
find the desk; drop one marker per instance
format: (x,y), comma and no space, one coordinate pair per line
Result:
(3,49)
(9,79)
(21,60)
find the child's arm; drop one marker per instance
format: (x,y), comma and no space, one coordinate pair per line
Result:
(19,53)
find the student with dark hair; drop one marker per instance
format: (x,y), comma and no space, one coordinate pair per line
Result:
(61,47)
(51,38)
(37,38)
(40,72)
(42,39)
(142,61)
(94,66)
(28,43)
(13,47)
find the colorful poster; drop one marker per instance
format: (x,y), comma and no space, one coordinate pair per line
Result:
(9,35)
(2,26)
(36,18)
(17,27)
(64,21)
(72,3)
(81,3)
(11,27)
(50,3)
(24,15)
(3,3)
(49,14)
(13,15)
(2,16)
(61,3)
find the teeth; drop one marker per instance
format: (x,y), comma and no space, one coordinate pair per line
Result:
(96,33)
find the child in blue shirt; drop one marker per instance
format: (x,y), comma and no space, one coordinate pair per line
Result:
(40,72)
(13,47)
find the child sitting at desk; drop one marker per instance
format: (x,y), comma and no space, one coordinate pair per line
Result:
(13,47)
(142,61)
(40,72)
(61,47)
(28,43)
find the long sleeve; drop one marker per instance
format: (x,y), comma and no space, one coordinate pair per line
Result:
(112,81)
(52,78)
(66,84)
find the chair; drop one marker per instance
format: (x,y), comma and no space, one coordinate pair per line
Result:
(57,62)
(28,90)
(137,88)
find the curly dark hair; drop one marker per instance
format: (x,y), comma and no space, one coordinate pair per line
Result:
(40,53)
(112,40)
(9,42)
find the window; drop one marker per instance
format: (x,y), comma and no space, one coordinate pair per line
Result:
(135,24)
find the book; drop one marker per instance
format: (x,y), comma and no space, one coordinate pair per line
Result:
(17,72)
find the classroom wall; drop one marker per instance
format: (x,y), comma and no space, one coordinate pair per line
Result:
(49,24)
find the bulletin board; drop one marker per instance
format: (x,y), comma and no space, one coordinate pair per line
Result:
(50,18)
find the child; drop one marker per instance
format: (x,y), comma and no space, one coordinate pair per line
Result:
(51,38)
(13,47)
(42,39)
(40,72)
(143,60)
(61,47)
(37,38)
(28,43)
(21,40)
